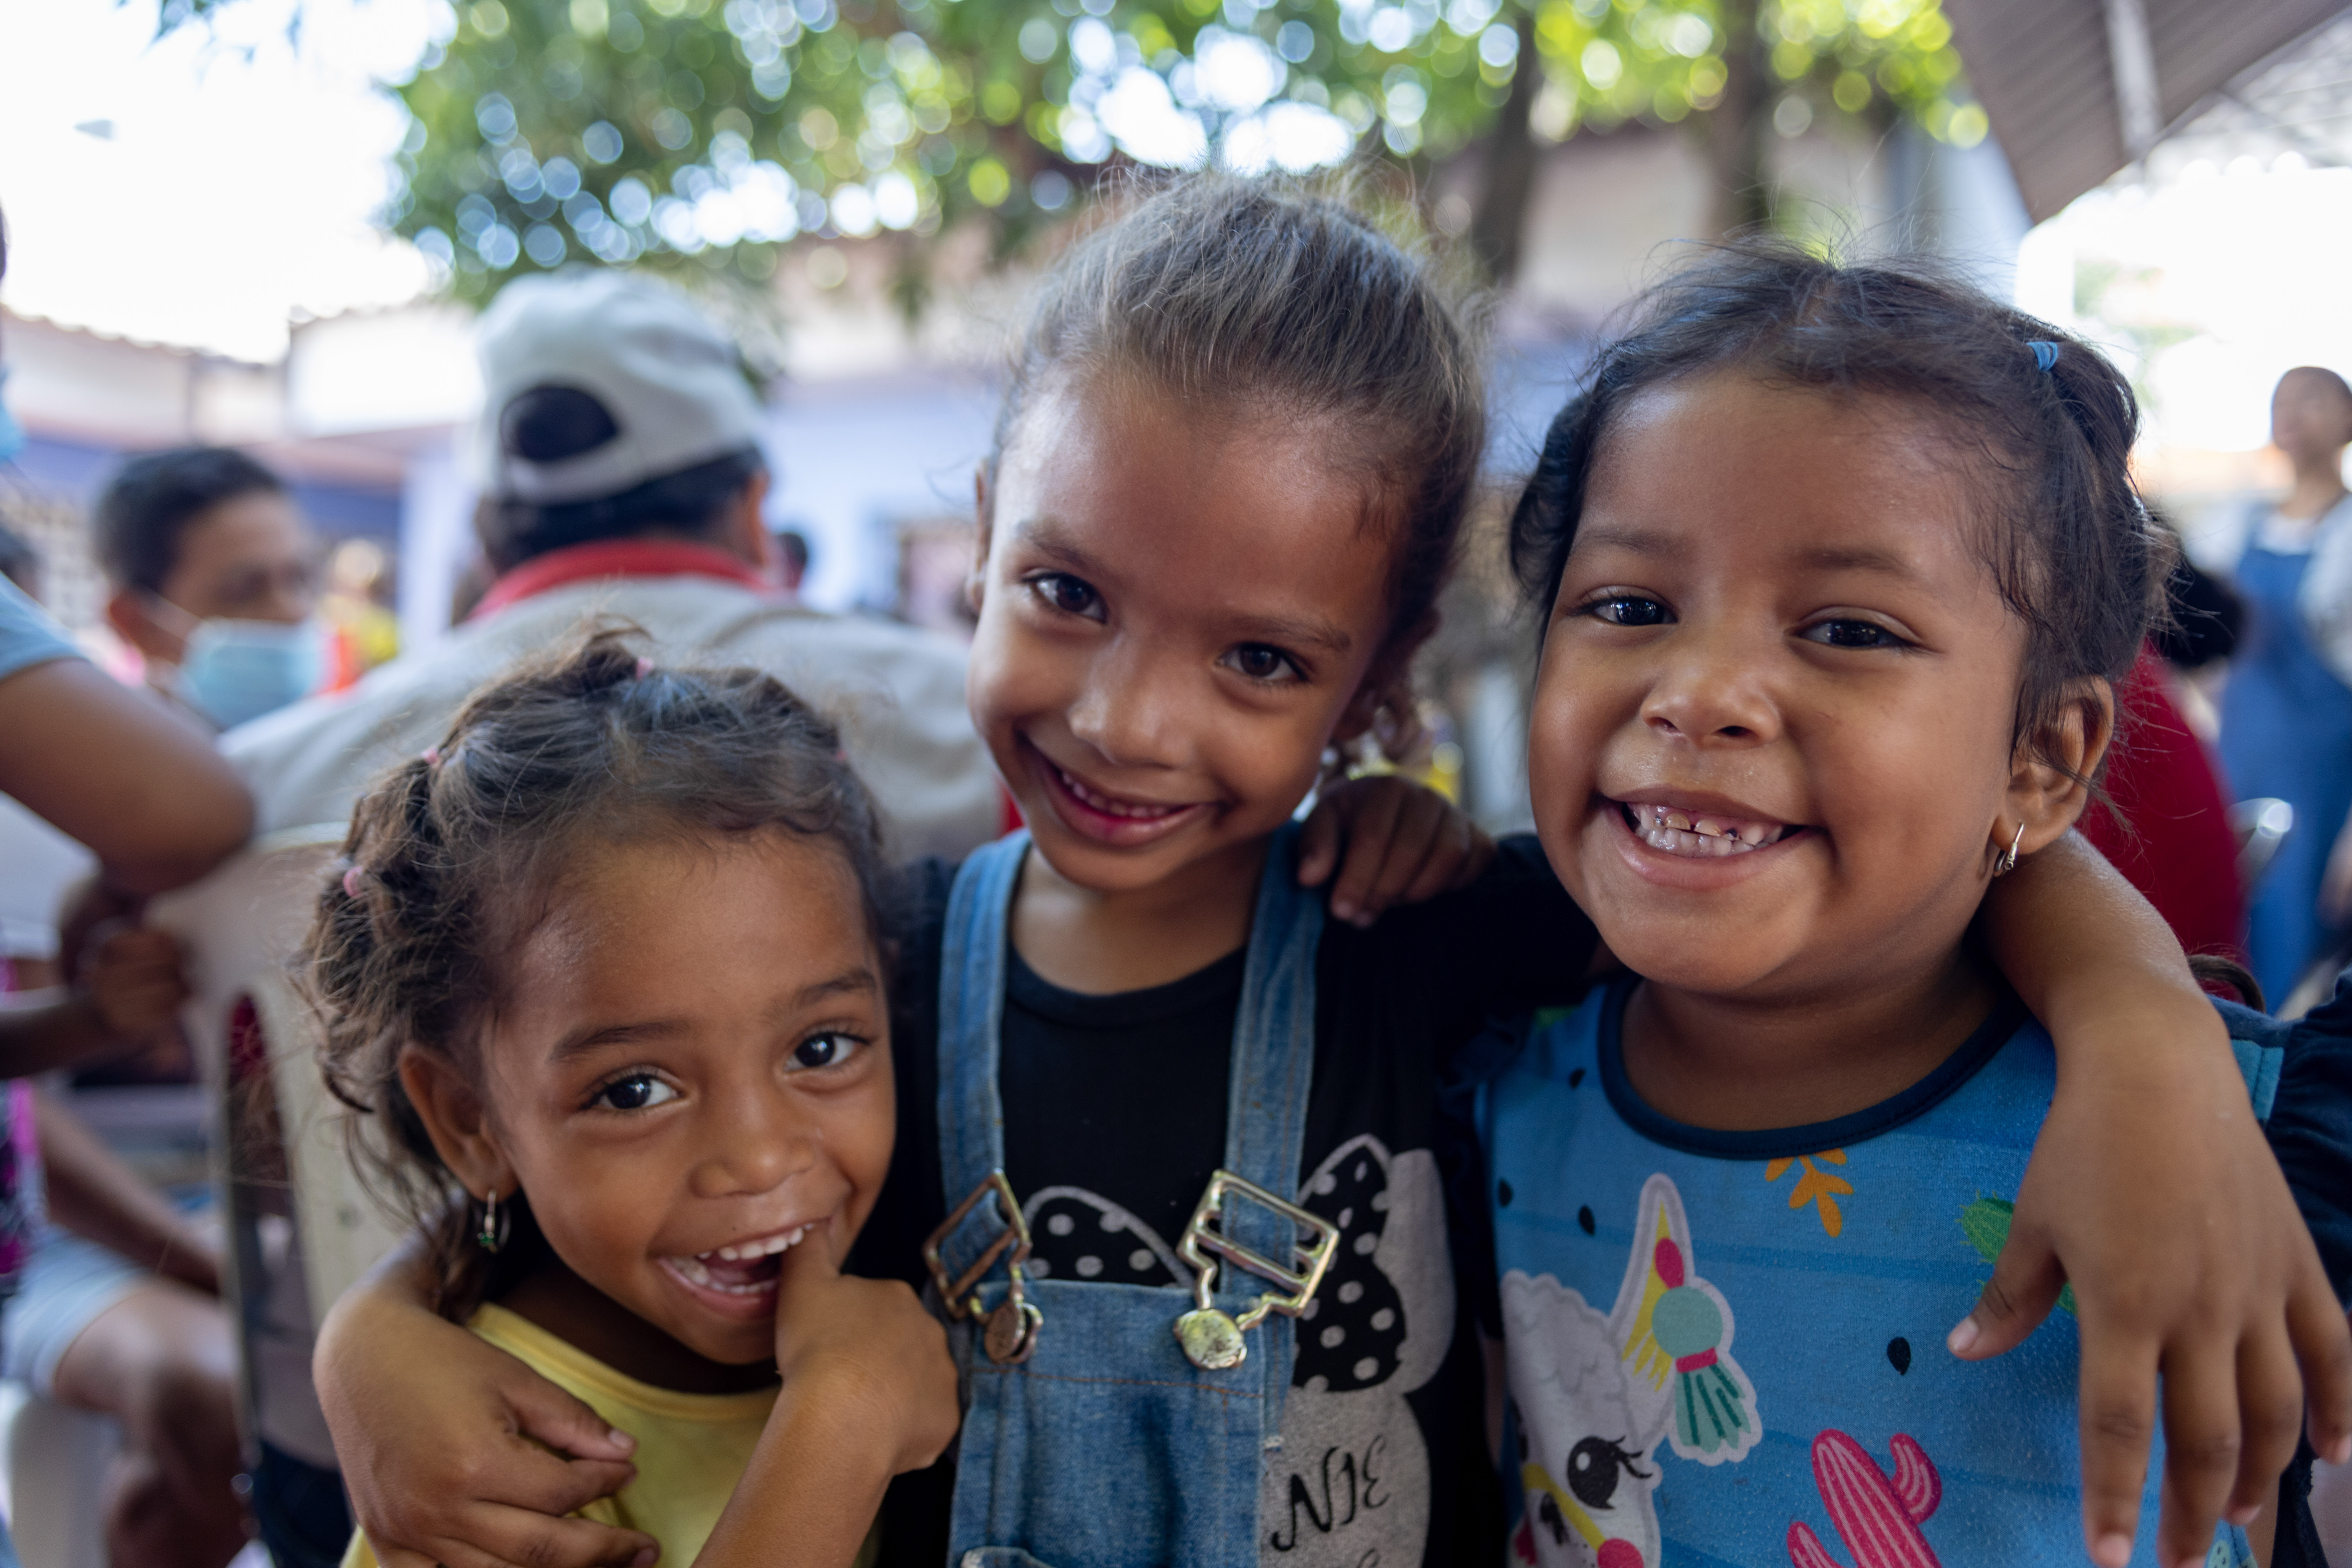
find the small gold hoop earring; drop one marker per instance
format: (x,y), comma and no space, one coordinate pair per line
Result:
(2008,861)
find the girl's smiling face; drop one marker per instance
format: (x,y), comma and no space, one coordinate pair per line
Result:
(689,1058)
(1177,615)
(1771,745)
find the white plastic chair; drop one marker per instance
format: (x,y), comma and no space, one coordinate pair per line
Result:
(57,1462)
(242,927)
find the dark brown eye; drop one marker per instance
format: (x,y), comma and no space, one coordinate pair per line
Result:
(823,1051)
(1853,634)
(637,1091)
(1071,595)
(1263,662)
(1628,610)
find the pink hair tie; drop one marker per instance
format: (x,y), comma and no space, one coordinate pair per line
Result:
(351,882)
(432,755)
(645,668)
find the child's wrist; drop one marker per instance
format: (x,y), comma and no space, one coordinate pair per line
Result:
(2152,1043)
(860,1407)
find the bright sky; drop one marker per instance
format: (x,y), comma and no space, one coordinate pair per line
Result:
(2248,262)
(237,183)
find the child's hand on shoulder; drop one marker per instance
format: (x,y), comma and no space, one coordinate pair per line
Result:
(1392,841)
(871,1352)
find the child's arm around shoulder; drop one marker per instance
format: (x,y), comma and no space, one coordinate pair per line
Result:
(870,1391)
(2152,1192)
(439,1438)
(1383,840)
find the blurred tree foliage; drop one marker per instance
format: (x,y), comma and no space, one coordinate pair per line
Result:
(710,131)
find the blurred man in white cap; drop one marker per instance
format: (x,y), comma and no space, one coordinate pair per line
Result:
(619,461)
(618,456)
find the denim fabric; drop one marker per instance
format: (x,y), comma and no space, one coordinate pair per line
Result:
(2287,730)
(1107,1447)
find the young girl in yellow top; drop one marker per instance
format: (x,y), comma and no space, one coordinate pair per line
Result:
(608,960)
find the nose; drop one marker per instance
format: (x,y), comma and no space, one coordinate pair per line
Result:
(1713,690)
(1131,706)
(753,1142)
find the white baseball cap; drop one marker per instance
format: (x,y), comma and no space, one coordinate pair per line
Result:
(671,382)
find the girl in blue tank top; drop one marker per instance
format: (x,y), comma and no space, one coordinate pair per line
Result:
(1838,567)
(1175,1151)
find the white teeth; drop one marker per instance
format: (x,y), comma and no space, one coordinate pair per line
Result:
(1674,831)
(1109,807)
(695,1268)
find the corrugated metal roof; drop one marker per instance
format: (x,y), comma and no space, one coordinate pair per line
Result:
(2045,71)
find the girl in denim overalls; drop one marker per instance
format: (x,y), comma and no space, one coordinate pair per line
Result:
(1241,435)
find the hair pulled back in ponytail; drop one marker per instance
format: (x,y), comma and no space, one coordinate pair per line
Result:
(2047,452)
(453,857)
(1261,299)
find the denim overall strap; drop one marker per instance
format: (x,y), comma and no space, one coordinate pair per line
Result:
(971,1002)
(1107,1448)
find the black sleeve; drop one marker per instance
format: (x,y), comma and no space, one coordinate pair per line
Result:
(1509,944)
(910,1207)
(2310,1129)
(2310,1132)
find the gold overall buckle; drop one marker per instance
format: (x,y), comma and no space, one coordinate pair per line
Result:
(1009,1334)
(1212,1340)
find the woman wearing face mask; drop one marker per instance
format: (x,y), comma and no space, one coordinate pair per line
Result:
(213,574)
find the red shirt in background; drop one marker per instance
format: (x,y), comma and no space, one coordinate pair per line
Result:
(2178,850)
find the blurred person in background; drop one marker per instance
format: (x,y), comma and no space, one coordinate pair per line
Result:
(618,457)
(213,579)
(792,559)
(364,632)
(2286,710)
(142,789)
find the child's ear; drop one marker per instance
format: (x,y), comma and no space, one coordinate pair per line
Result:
(456,1120)
(975,582)
(2047,788)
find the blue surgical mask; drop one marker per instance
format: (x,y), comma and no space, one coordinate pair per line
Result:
(238,670)
(12,435)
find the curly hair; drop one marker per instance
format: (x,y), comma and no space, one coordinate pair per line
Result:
(454,857)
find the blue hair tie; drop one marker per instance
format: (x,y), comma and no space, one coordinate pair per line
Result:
(2045,354)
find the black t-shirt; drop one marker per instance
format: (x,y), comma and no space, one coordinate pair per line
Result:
(1115,1113)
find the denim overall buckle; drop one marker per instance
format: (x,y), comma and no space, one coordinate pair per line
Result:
(1009,1334)
(1212,1339)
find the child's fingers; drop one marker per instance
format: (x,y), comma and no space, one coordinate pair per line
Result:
(2270,1419)
(548,1414)
(2117,1418)
(1420,823)
(2323,1347)
(809,1262)
(500,1537)
(1318,841)
(1371,828)
(2025,1283)
(1459,857)
(2202,1442)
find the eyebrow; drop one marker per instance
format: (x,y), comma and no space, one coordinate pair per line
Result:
(1820,557)
(1328,636)
(858,982)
